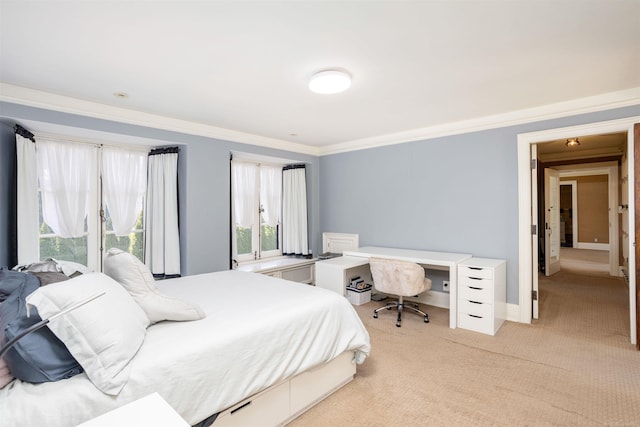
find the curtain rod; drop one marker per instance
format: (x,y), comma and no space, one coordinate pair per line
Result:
(95,143)
(299,166)
(164,150)
(19,130)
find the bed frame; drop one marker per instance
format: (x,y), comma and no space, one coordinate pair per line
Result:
(285,401)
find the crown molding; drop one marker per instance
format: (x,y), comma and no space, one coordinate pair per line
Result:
(590,104)
(50,101)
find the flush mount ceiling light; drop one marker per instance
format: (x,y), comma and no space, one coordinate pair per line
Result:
(572,142)
(330,81)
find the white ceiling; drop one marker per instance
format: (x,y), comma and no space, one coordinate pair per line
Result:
(243,67)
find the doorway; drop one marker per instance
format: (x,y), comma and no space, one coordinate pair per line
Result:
(528,210)
(596,208)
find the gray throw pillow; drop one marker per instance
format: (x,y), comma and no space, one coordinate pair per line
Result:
(37,357)
(46,277)
(43,266)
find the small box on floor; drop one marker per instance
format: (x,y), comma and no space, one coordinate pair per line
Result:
(359,296)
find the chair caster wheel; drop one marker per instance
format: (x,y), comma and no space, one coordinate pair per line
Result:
(398,324)
(375,315)
(426,320)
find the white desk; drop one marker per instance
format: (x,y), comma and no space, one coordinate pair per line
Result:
(334,273)
(435,260)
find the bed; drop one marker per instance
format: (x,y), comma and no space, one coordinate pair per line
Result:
(266,351)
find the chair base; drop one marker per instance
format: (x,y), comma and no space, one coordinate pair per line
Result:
(400,305)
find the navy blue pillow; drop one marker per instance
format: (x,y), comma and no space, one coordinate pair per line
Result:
(40,356)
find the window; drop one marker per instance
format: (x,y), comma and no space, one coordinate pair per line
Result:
(132,242)
(256,210)
(90,199)
(54,246)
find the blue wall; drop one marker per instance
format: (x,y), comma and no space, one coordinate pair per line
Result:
(8,254)
(203,184)
(454,194)
(457,193)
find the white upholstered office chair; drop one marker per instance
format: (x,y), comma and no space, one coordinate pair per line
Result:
(401,278)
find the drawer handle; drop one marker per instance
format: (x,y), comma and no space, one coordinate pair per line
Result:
(475,278)
(241,407)
(475,268)
(473,315)
(474,302)
(475,289)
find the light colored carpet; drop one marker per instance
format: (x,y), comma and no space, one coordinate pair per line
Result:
(584,261)
(573,367)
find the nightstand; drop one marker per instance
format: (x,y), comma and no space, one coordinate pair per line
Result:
(150,411)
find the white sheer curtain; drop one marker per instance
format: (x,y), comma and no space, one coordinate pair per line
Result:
(28,218)
(271,194)
(63,172)
(243,182)
(162,243)
(294,211)
(124,179)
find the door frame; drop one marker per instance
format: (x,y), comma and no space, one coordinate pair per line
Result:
(525,264)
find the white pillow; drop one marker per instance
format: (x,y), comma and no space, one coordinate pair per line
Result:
(136,278)
(103,335)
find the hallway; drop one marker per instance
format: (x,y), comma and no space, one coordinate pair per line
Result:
(583,299)
(584,261)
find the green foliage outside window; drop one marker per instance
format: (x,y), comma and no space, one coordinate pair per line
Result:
(75,248)
(243,240)
(68,249)
(268,238)
(132,243)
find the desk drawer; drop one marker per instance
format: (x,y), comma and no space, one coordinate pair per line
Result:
(479,272)
(476,323)
(481,309)
(474,282)
(476,290)
(303,274)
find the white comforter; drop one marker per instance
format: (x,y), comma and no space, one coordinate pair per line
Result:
(258,331)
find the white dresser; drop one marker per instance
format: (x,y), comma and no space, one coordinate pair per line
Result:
(482,294)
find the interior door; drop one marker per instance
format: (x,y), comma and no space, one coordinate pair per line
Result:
(535,263)
(636,190)
(552,221)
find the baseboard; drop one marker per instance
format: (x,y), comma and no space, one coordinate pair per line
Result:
(434,298)
(513,312)
(594,246)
